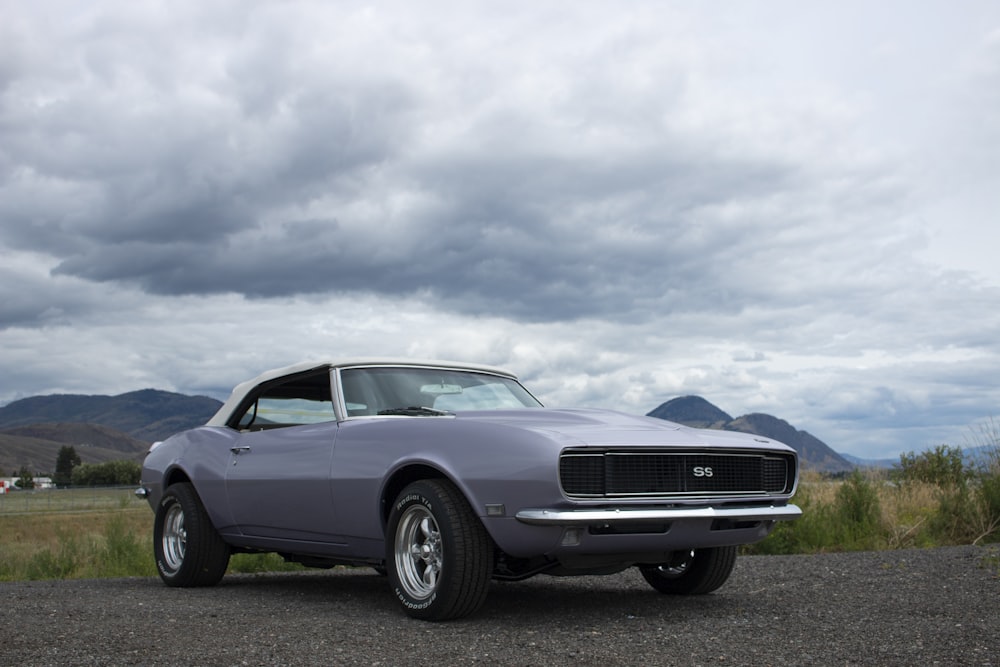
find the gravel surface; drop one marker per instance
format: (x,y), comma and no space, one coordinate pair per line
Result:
(912,607)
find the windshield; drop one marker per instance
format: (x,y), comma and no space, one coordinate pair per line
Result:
(410,391)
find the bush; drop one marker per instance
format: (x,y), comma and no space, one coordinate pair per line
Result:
(943,466)
(933,498)
(986,488)
(809,533)
(25,480)
(968,496)
(858,513)
(835,517)
(123,555)
(110,473)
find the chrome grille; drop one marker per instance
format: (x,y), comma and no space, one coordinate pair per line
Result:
(630,473)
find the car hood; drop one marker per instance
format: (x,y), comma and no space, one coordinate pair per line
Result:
(603,428)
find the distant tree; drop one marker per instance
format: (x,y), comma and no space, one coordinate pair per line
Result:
(25,479)
(110,473)
(65,462)
(3,473)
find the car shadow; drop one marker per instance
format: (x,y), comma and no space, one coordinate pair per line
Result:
(539,600)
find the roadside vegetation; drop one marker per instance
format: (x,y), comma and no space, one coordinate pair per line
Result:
(929,499)
(934,498)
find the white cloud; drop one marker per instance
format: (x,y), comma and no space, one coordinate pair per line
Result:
(624,204)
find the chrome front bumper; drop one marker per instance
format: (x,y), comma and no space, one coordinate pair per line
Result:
(577,517)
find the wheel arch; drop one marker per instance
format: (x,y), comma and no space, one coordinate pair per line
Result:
(176,475)
(403,477)
(218,513)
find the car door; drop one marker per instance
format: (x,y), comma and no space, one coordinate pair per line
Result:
(278,477)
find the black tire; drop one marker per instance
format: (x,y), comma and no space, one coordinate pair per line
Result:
(438,555)
(693,572)
(188,550)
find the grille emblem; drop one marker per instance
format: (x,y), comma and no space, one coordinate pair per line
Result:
(701,471)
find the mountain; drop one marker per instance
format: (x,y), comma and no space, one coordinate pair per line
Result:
(37,446)
(691,411)
(80,435)
(99,428)
(871,463)
(695,411)
(147,414)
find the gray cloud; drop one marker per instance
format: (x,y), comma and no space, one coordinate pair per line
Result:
(624,204)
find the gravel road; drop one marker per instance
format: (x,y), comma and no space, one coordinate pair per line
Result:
(912,607)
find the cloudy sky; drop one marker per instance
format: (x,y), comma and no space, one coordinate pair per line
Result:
(779,206)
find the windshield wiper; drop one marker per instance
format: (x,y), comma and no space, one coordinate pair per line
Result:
(415,411)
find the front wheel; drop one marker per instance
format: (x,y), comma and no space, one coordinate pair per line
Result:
(188,550)
(438,555)
(692,572)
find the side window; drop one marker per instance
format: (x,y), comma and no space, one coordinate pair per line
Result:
(304,400)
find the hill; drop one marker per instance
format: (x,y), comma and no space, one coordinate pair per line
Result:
(37,446)
(147,414)
(99,428)
(691,411)
(695,411)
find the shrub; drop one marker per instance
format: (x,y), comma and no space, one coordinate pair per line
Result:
(858,513)
(123,555)
(809,533)
(110,473)
(943,466)
(849,519)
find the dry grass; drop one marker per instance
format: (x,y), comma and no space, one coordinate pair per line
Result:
(882,510)
(72,544)
(108,532)
(906,510)
(88,533)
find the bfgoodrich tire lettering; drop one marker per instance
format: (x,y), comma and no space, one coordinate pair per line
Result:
(694,572)
(438,555)
(188,550)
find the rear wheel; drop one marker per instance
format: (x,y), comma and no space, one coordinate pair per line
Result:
(693,572)
(188,550)
(438,555)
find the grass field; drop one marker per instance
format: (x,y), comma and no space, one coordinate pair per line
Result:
(87,533)
(74,500)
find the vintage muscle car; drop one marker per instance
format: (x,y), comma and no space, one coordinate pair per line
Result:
(444,476)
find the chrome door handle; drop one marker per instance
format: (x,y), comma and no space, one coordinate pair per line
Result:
(239,448)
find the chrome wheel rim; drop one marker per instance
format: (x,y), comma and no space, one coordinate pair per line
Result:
(419,553)
(174,539)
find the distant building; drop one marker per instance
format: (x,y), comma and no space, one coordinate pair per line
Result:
(8,484)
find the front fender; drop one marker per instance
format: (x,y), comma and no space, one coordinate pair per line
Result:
(201,455)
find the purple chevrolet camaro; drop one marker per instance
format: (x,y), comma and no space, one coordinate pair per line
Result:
(446,475)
